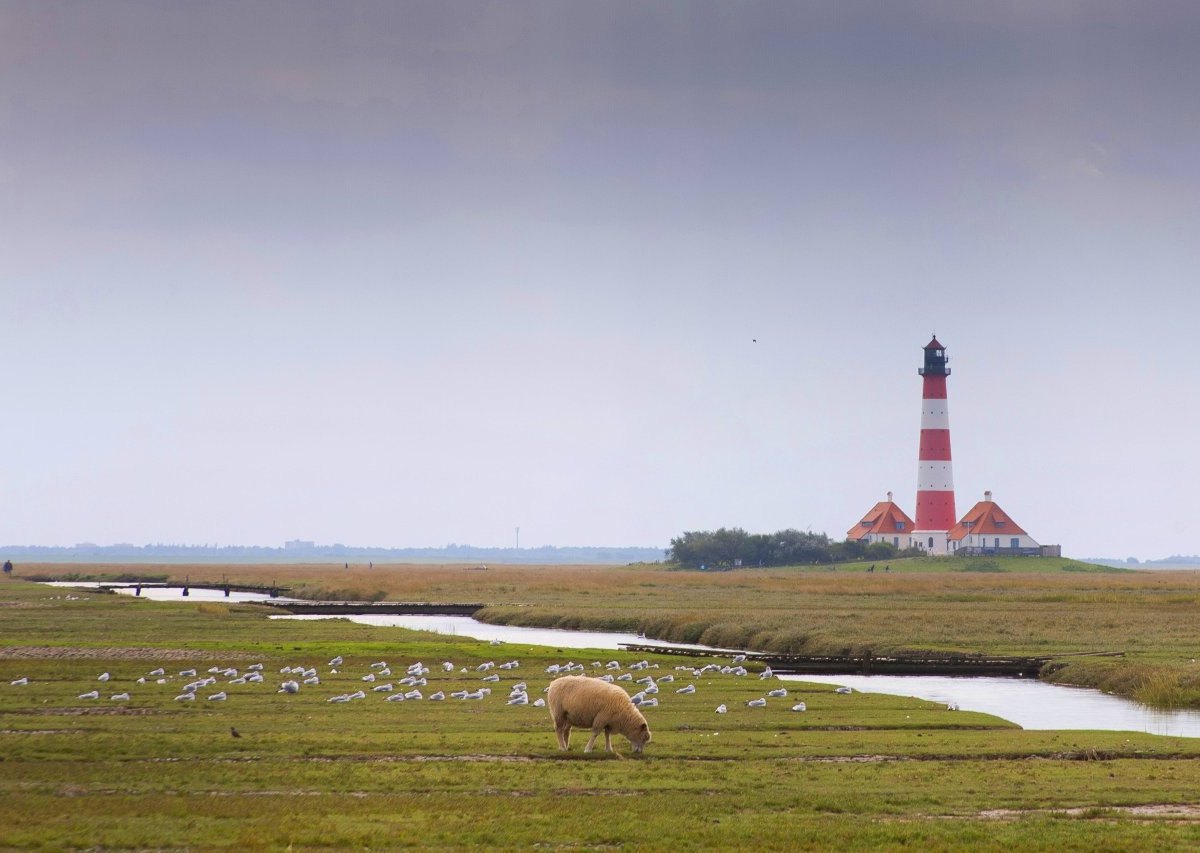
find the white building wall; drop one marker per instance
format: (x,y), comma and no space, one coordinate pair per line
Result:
(973,540)
(940,545)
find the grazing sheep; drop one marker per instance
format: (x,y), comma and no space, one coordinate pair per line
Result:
(577,700)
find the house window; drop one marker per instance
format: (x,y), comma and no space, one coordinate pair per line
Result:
(899,525)
(896,541)
(930,543)
(997,542)
(867,523)
(1014,543)
(999,523)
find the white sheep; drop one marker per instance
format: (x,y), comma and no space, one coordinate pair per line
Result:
(576,700)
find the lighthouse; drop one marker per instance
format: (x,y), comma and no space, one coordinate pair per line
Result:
(935,478)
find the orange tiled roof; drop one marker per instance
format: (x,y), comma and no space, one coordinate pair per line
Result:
(986,519)
(881,518)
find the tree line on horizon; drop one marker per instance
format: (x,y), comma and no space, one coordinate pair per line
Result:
(733,547)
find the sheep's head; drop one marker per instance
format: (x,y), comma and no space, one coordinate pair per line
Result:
(640,738)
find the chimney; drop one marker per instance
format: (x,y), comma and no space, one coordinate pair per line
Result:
(889,497)
(987,496)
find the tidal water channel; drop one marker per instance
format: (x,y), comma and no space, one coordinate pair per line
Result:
(1029,703)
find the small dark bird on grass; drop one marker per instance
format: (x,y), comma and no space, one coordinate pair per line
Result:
(234,732)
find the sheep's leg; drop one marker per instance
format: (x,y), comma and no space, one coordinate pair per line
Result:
(607,740)
(592,740)
(563,730)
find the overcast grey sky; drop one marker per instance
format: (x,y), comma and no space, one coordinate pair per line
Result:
(410,273)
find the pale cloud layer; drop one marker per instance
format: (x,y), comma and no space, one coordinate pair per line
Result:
(412,273)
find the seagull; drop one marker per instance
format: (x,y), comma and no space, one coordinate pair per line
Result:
(447,666)
(739,658)
(638,698)
(539,703)
(254,678)
(313,680)
(357,694)
(395,697)
(218,697)
(257,667)
(606,677)
(649,702)
(484,667)
(612,664)
(691,688)
(186,697)
(94,694)
(492,677)
(379,665)
(844,690)
(119,697)
(157,672)
(519,700)
(104,676)
(337,661)
(646,679)
(799,706)
(234,732)
(187,673)
(757,703)
(370,676)
(413,694)
(765,674)
(382,688)
(777,693)
(385,672)
(289,687)
(20,682)
(651,689)
(625,677)
(437,697)
(666,679)
(344,698)
(721,709)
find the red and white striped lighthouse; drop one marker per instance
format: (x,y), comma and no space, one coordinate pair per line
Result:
(935,477)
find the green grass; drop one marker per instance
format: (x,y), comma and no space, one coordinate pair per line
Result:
(855,770)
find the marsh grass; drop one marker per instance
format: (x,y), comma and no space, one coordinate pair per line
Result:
(853,771)
(1042,607)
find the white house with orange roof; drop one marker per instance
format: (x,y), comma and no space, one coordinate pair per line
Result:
(884,522)
(986,528)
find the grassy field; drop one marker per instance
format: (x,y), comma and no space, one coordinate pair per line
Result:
(1042,607)
(851,771)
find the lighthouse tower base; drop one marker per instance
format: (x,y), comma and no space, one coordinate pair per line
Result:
(933,542)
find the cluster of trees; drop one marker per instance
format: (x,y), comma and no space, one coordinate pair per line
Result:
(731,547)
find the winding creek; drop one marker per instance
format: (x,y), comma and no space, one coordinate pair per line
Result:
(1028,703)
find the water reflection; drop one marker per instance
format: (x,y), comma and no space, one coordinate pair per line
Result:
(465,626)
(1028,703)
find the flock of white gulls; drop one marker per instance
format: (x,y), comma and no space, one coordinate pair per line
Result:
(379,678)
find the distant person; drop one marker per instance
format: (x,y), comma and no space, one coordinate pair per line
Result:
(887,568)
(872,568)
(8,567)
